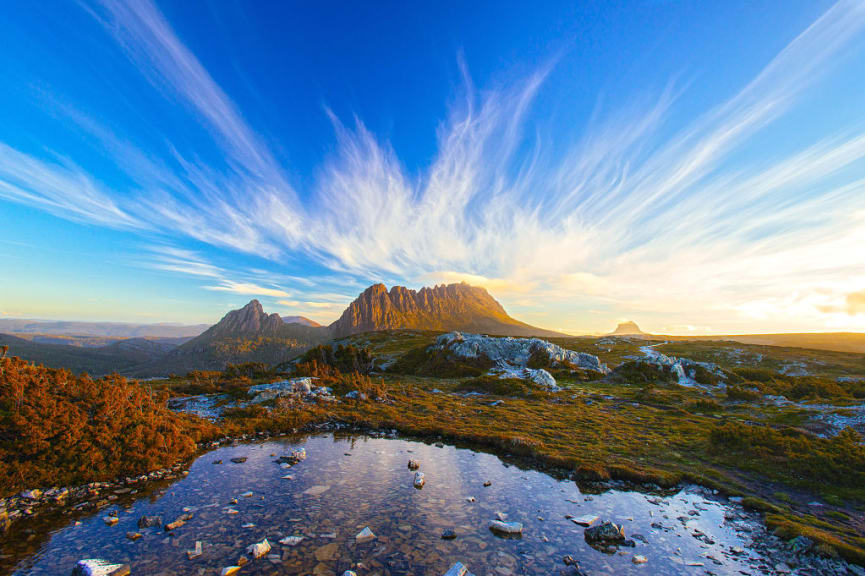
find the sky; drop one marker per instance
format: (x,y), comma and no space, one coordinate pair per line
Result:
(697,167)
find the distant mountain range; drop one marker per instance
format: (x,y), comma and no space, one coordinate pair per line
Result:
(252,335)
(103,329)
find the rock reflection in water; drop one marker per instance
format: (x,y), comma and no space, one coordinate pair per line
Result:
(348,484)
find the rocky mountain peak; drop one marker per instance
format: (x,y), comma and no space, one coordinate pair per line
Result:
(442,307)
(627,328)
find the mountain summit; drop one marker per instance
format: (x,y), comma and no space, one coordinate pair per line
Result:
(444,308)
(627,329)
(250,319)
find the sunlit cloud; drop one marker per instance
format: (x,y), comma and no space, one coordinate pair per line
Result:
(247,288)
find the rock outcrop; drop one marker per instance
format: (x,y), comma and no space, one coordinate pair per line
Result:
(445,308)
(511,356)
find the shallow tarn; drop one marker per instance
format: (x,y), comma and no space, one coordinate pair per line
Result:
(347,483)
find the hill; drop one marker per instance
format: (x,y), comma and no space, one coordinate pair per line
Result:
(245,335)
(114,357)
(835,341)
(441,308)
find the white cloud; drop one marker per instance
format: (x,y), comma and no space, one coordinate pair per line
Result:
(248,288)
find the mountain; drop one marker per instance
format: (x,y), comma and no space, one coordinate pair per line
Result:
(245,335)
(444,308)
(627,329)
(300,320)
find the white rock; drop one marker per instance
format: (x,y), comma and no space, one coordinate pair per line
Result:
(639,559)
(258,549)
(349,573)
(97,567)
(229,570)
(291,540)
(364,535)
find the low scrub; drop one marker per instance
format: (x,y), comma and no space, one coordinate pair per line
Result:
(644,374)
(439,363)
(800,458)
(58,429)
(500,386)
(346,359)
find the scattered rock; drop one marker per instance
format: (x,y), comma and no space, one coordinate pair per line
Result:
(229,570)
(291,540)
(458,569)
(31,494)
(487,484)
(133,535)
(239,459)
(413,464)
(448,534)
(639,559)
(111,520)
(419,480)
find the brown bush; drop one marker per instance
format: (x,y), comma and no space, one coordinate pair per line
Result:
(57,428)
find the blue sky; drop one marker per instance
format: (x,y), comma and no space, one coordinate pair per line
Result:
(696,167)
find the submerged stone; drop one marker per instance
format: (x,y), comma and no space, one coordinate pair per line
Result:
(364,535)
(258,549)
(419,480)
(506,527)
(97,567)
(605,533)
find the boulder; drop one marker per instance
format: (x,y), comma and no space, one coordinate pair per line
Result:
(97,567)
(605,533)
(413,464)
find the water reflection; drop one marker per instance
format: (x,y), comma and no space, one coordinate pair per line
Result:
(348,483)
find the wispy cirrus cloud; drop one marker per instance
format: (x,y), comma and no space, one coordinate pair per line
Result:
(628,214)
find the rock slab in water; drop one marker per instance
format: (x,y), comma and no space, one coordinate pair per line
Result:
(97,567)
(506,527)
(291,540)
(585,519)
(419,480)
(364,535)
(605,533)
(229,570)
(258,549)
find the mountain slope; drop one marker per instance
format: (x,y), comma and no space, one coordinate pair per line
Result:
(443,308)
(245,335)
